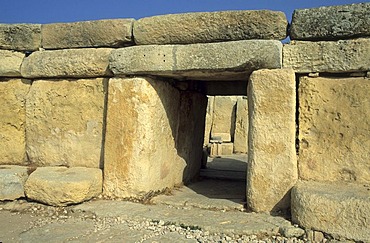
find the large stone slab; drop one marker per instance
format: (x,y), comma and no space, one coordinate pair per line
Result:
(76,63)
(332,22)
(327,56)
(12,179)
(272,162)
(216,61)
(209,120)
(241,126)
(61,186)
(141,152)
(342,210)
(13,94)
(334,129)
(224,113)
(65,122)
(98,33)
(190,28)
(20,37)
(10,63)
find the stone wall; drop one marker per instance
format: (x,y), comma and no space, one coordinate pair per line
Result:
(127,98)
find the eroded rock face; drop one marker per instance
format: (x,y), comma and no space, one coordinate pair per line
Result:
(272,161)
(334,129)
(61,186)
(12,179)
(10,63)
(241,126)
(65,122)
(224,113)
(215,61)
(20,37)
(327,56)
(332,22)
(76,63)
(140,152)
(340,209)
(204,27)
(13,94)
(98,33)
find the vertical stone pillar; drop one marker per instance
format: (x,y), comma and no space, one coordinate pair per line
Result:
(241,126)
(272,167)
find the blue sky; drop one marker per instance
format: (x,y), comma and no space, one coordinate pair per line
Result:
(51,11)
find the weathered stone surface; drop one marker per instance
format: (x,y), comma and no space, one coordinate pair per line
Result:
(224,115)
(332,22)
(12,179)
(204,27)
(209,120)
(98,33)
(140,147)
(327,56)
(216,61)
(340,209)
(272,162)
(221,136)
(334,129)
(20,37)
(61,186)
(76,63)
(65,122)
(241,126)
(189,142)
(10,63)
(13,94)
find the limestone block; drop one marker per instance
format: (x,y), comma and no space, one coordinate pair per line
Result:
(272,162)
(204,27)
(327,56)
(208,122)
(340,209)
(215,61)
(12,179)
(20,37)
(334,129)
(98,33)
(241,126)
(224,115)
(13,94)
(189,142)
(62,186)
(77,63)
(332,22)
(10,63)
(65,122)
(221,136)
(227,148)
(140,147)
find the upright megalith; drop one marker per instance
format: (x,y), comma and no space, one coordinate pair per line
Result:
(331,22)
(272,161)
(208,27)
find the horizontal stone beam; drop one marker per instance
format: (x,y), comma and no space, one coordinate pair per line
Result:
(215,61)
(205,27)
(333,22)
(327,56)
(10,63)
(99,33)
(74,63)
(20,37)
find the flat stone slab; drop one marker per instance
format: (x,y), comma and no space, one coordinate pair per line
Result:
(20,37)
(190,28)
(215,61)
(12,179)
(327,56)
(61,186)
(10,63)
(98,33)
(332,22)
(340,209)
(75,63)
